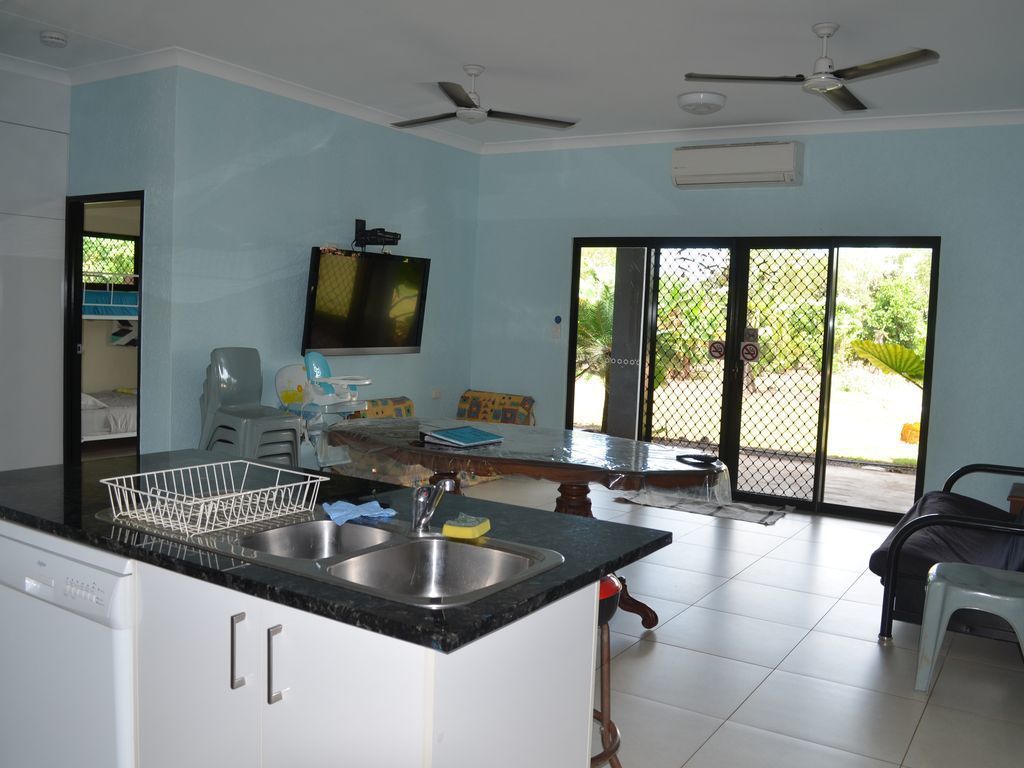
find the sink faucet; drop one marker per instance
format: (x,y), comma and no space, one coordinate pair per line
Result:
(425,500)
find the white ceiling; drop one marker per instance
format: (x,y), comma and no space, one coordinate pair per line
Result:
(614,65)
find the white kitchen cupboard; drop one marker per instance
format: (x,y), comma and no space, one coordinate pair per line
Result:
(335,684)
(518,696)
(188,714)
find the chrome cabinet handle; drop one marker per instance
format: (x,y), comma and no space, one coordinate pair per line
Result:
(237,681)
(272,695)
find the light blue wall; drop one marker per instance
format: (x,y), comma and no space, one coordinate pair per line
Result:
(240,183)
(962,185)
(122,139)
(257,180)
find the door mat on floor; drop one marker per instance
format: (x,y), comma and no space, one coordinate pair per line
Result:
(751,513)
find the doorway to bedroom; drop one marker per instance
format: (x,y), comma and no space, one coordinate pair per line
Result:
(103,316)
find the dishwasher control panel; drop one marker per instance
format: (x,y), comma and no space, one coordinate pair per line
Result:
(80,587)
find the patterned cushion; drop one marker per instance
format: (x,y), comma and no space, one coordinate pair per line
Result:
(386,408)
(479,405)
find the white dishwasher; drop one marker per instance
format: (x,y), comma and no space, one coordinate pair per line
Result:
(67,653)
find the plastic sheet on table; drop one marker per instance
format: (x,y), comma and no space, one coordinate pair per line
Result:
(616,463)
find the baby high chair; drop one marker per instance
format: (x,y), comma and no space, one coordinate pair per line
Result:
(310,391)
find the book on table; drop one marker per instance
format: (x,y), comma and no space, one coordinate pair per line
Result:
(460,437)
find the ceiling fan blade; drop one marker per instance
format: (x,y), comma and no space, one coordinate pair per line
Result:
(843,99)
(743,78)
(423,120)
(457,94)
(892,64)
(547,122)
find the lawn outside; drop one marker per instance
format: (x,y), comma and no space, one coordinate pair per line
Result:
(868,411)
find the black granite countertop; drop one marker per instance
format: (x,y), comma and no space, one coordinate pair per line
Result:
(64,501)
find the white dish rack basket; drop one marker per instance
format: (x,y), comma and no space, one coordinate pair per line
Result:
(211,497)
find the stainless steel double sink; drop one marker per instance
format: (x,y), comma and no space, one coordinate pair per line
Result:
(428,570)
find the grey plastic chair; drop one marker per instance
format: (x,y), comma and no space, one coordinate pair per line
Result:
(953,586)
(235,422)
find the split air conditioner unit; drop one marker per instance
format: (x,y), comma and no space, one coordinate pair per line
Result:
(776,163)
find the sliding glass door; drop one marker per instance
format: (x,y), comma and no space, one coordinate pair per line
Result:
(800,362)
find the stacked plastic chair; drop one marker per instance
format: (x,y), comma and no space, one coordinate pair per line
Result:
(235,421)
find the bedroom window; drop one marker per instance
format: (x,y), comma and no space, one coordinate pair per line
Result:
(109,260)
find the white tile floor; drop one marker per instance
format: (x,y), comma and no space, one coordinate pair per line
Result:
(766,653)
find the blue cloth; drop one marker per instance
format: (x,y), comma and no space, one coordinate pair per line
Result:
(343,511)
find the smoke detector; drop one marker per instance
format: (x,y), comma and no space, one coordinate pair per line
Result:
(51,38)
(701,102)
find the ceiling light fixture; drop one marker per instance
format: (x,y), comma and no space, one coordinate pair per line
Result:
(53,39)
(701,102)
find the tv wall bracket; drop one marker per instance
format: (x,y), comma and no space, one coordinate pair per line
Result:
(378,236)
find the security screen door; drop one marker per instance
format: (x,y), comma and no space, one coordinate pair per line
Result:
(779,383)
(687,381)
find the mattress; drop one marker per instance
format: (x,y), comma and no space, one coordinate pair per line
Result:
(117,416)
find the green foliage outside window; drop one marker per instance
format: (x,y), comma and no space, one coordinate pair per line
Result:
(105,257)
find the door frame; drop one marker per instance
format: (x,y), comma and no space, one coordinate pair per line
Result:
(74,231)
(740,248)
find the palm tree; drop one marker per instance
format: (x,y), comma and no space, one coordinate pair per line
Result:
(893,358)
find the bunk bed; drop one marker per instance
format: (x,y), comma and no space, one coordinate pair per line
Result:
(110,296)
(111,414)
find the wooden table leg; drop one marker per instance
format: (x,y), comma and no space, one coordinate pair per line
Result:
(573,499)
(628,603)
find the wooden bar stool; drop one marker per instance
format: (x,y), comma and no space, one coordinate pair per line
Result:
(608,602)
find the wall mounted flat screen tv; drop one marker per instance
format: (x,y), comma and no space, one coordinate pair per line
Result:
(362,303)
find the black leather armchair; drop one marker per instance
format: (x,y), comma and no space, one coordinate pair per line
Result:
(947,527)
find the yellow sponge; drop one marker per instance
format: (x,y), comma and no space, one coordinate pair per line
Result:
(466,527)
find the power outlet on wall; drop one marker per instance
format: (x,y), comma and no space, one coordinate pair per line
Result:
(435,394)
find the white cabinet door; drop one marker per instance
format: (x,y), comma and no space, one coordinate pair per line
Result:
(347,696)
(189,713)
(520,696)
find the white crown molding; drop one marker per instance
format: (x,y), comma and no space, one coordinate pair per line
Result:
(763,130)
(180,57)
(34,69)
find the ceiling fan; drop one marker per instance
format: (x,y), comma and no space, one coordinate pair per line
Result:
(828,81)
(468,108)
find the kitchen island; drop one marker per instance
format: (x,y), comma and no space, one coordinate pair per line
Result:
(243,664)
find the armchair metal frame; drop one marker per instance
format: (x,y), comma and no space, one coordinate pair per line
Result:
(889,612)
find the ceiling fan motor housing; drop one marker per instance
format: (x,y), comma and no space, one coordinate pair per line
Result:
(822,82)
(471,114)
